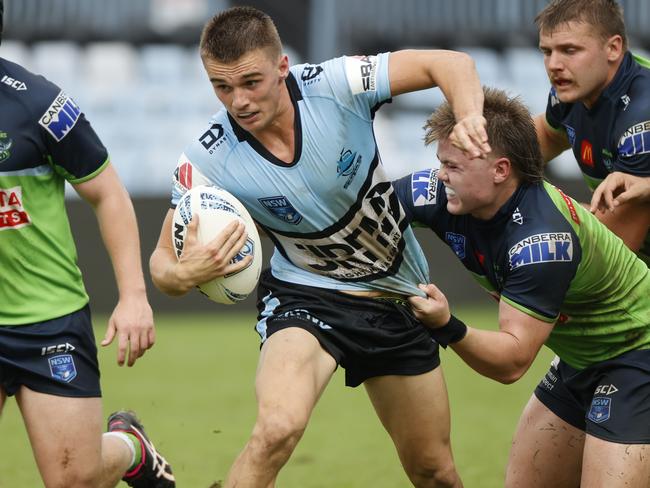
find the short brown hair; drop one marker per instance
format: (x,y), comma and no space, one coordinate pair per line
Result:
(605,15)
(510,129)
(231,34)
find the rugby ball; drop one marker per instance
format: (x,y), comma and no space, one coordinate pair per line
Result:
(216,208)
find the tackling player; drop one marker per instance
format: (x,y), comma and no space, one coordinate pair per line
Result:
(295,145)
(48,356)
(599,103)
(562,279)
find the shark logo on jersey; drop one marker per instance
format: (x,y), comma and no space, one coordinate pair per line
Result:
(601,409)
(281,207)
(60,117)
(424,187)
(62,368)
(211,137)
(5,145)
(635,140)
(571,134)
(541,248)
(457,243)
(348,165)
(310,73)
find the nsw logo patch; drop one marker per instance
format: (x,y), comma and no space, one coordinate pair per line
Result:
(601,409)
(281,207)
(457,243)
(62,368)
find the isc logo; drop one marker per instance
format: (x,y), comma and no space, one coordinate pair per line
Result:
(67,347)
(15,84)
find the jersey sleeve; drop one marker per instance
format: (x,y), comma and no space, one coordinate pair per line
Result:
(73,148)
(541,267)
(420,194)
(633,132)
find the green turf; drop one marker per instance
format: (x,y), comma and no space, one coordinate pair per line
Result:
(194,392)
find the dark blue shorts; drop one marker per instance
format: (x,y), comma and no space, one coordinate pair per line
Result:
(58,357)
(609,400)
(367,336)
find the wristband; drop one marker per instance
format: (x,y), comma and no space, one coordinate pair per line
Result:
(452,331)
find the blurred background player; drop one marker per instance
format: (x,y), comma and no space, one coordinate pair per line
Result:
(48,356)
(599,104)
(562,279)
(296,146)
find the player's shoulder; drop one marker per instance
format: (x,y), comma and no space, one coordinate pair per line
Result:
(317,79)
(215,140)
(35,91)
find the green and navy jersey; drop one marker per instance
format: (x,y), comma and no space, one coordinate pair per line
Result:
(331,212)
(547,256)
(44,140)
(614,134)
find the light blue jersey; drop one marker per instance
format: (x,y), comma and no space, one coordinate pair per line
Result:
(332,213)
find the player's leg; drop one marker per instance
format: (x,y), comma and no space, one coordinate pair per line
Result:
(292,373)
(546,450)
(415,412)
(66,438)
(611,465)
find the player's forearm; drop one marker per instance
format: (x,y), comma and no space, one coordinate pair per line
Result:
(458,79)
(163,267)
(495,354)
(122,242)
(551,143)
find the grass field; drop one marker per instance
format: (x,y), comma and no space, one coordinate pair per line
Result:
(194,392)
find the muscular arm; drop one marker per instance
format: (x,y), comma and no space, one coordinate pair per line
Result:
(198,263)
(630,221)
(455,74)
(551,142)
(503,355)
(619,188)
(132,319)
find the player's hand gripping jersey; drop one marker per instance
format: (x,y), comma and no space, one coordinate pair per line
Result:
(44,140)
(545,255)
(332,213)
(613,135)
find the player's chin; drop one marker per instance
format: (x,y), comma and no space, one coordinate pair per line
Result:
(455,207)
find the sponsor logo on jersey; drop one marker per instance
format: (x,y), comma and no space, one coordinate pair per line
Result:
(424,187)
(62,368)
(310,73)
(570,206)
(601,409)
(348,165)
(67,347)
(212,138)
(587,153)
(541,248)
(608,159)
(13,83)
(457,243)
(635,140)
(5,145)
(517,217)
(60,117)
(281,207)
(605,390)
(12,211)
(626,101)
(361,72)
(571,134)
(183,175)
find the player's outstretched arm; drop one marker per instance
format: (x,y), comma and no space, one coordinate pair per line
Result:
(132,318)
(503,355)
(198,263)
(619,188)
(551,142)
(455,73)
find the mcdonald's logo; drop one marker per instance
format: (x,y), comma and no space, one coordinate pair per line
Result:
(587,153)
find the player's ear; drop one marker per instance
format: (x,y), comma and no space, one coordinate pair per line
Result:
(283,66)
(502,169)
(614,47)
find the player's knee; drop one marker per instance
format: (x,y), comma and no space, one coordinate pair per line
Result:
(277,433)
(429,472)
